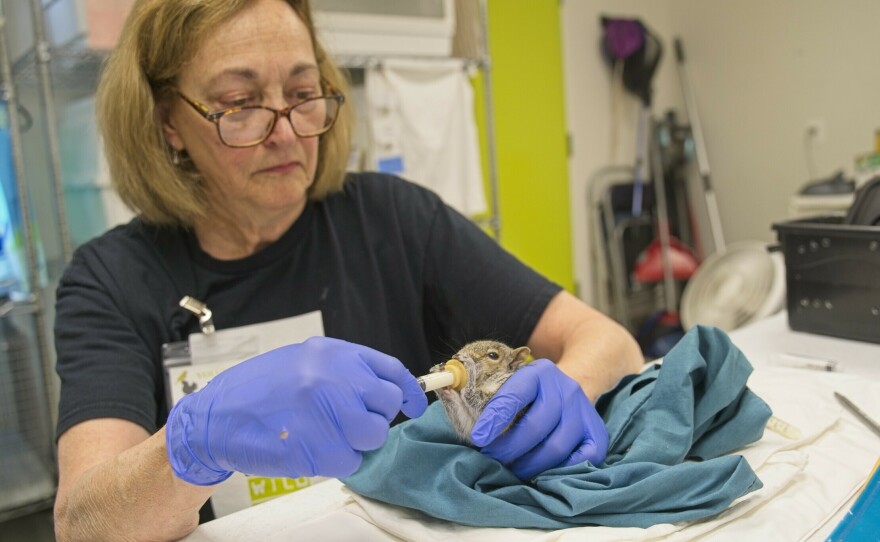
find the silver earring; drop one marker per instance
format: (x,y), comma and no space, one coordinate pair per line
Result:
(175,157)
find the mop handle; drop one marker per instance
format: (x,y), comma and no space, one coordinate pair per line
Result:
(669,293)
(691,106)
(639,167)
(700,147)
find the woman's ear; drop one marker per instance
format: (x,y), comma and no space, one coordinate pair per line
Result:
(169,129)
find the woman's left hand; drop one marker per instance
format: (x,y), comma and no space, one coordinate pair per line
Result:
(561,426)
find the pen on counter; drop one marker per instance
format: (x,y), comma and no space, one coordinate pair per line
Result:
(801,361)
(872,425)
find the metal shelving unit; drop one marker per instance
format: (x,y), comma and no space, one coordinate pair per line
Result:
(28,472)
(74,68)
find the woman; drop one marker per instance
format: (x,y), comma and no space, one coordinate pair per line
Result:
(226,130)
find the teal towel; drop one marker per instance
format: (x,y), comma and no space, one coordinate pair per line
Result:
(669,427)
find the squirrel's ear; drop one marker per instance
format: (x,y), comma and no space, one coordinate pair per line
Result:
(521,356)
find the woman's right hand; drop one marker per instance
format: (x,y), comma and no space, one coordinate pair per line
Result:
(301,410)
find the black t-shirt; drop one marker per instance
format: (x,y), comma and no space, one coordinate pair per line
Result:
(385,261)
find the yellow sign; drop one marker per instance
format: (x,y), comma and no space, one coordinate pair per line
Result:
(262,489)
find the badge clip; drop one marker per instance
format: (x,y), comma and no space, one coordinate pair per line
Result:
(201,310)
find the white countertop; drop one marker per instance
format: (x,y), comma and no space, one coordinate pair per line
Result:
(764,342)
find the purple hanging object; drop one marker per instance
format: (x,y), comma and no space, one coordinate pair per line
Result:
(623,37)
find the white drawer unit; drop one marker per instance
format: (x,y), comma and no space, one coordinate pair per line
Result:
(386,27)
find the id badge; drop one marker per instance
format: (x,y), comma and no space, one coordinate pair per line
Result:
(190,365)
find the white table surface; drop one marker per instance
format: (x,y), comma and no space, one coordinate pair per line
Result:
(763,342)
(832,459)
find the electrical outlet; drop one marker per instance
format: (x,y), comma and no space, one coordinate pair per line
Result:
(815,131)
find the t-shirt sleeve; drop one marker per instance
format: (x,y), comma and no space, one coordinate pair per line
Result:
(105,367)
(477,290)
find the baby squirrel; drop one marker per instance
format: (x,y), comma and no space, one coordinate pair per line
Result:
(488,364)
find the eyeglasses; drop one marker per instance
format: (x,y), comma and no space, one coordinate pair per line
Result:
(250,125)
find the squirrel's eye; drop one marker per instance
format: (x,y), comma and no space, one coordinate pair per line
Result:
(493,355)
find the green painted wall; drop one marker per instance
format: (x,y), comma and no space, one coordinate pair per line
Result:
(530,135)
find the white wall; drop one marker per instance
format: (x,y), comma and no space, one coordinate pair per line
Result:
(760,71)
(589,105)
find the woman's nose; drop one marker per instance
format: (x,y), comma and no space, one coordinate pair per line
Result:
(283,131)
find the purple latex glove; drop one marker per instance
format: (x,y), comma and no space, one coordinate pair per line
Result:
(560,428)
(300,410)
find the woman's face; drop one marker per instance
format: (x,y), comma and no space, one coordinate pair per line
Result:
(262,56)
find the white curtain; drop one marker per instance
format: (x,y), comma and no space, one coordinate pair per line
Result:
(422,128)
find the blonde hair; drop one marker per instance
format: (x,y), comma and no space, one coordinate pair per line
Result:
(159,37)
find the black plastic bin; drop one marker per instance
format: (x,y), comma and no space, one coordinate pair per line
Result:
(832,276)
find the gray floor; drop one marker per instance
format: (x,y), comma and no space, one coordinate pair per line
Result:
(35,527)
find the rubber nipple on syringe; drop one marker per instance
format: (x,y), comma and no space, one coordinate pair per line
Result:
(457,369)
(452,376)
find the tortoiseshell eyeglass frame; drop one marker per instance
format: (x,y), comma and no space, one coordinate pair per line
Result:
(214,116)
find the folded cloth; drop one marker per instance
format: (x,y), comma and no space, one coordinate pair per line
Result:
(670,429)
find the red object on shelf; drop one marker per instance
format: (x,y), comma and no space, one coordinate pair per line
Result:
(649,265)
